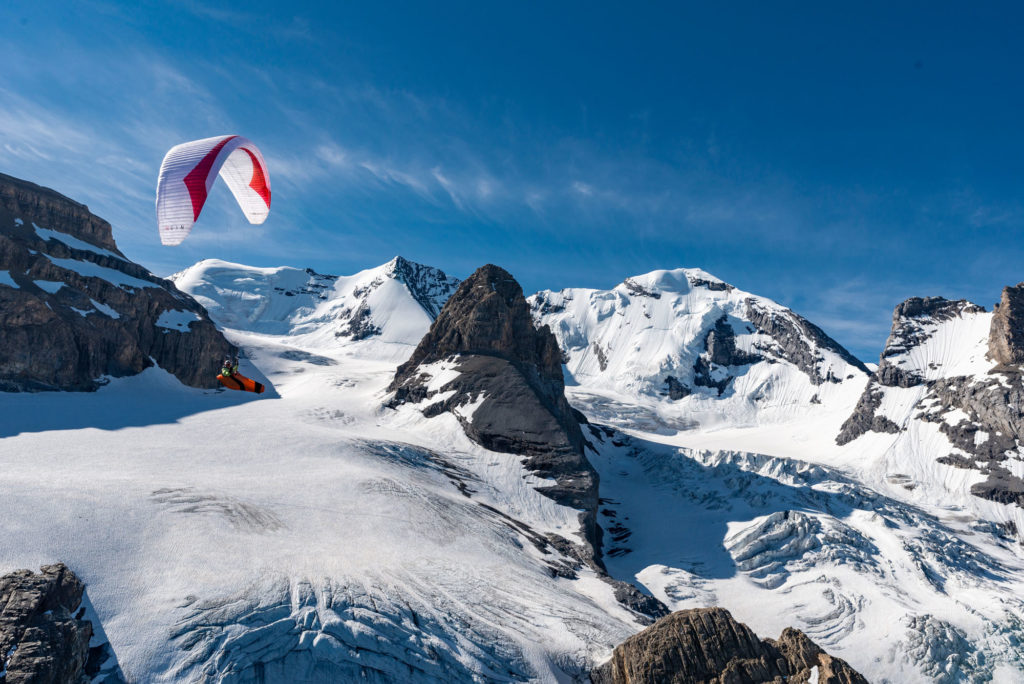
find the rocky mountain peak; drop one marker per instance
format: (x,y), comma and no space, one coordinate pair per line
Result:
(509,371)
(1006,336)
(488,315)
(429,286)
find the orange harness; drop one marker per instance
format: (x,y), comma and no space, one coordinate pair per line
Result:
(237,381)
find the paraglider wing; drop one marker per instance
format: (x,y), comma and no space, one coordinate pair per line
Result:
(189,171)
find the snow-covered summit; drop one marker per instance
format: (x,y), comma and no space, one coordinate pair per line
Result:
(387,309)
(685,342)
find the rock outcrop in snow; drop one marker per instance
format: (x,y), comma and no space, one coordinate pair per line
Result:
(41,638)
(74,310)
(914,323)
(708,645)
(506,386)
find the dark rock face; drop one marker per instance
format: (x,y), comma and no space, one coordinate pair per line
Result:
(73,309)
(714,285)
(1006,337)
(360,325)
(991,429)
(676,389)
(51,209)
(913,324)
(40,639)
(706,645)
(637,290)
(517,369)
(798,341)
(428,286)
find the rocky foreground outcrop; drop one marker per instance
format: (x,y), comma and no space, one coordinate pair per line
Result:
(74,310)
(707,646)
(42,640)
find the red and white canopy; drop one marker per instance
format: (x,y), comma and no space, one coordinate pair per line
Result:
(188,173)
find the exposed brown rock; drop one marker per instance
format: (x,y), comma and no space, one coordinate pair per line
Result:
(707,646)
(49,209)
(1006,336)
(40,639)
(81,325)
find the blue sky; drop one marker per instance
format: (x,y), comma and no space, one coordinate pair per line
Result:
(835,158)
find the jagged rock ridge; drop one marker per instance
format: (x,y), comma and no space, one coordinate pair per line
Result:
(706,645)
(74,310)
(429,286)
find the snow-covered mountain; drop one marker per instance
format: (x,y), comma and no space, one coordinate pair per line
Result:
(681,348)
(318,535)
(384,311)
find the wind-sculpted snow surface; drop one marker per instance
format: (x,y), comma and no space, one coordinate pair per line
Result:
(688,348)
